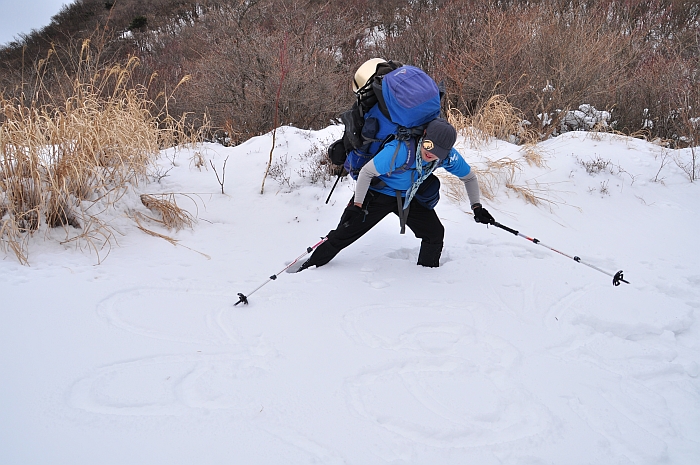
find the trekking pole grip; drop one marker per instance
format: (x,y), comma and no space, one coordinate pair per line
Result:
(505,228)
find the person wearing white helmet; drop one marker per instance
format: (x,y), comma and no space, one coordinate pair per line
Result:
(372,202)
(382,189)
(354,119)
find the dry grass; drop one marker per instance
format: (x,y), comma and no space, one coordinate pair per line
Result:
(184,132)
(506,172)
(496,118)
(137,219)
(503,172)
(496,173)
(452,187)
(171,215)
(500,173)
(533,156)
(65,165)
(198,161)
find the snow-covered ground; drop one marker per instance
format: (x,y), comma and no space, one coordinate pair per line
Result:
(508,353)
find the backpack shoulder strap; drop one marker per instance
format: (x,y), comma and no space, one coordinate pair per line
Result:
(410,156)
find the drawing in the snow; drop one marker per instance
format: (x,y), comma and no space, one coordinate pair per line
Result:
(507,353)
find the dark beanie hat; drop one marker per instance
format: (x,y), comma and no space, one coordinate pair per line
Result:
(439,138)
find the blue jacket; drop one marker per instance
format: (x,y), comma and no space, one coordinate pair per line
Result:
(403,181)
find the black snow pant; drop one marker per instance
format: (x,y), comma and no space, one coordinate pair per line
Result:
(424,223)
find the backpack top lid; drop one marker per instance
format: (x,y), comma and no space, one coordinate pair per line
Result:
(411,96)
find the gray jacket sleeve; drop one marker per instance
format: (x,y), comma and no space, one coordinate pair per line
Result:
(471,184)
(367,173)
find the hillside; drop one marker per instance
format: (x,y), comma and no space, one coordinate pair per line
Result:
(250,66)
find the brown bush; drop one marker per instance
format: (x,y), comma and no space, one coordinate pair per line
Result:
(637,58)
(550,57)
(235,80)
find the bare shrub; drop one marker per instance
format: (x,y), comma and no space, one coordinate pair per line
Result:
(596,165)
(220,179)
(551,57)
(316,166)
(237,76)
(279,171)
(635,59)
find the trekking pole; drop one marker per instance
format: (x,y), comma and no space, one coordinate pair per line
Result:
(333,188)
(244,298)
(617,277)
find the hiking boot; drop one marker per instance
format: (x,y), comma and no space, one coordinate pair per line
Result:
(429,255)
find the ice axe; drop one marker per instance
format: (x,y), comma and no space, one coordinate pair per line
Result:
(617,277)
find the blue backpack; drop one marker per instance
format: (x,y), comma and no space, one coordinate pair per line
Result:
(395,105)
(411,97)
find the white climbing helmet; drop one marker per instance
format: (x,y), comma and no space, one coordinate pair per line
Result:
(364,72)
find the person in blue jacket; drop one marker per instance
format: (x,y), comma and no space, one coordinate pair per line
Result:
(382,189)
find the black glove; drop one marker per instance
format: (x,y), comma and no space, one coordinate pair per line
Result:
(482,215)
(352,214)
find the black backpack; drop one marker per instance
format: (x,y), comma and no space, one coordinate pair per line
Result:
(354,118)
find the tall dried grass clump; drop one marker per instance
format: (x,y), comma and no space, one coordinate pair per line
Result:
(495,119)
(65,164)
(504,172)
(498,119)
